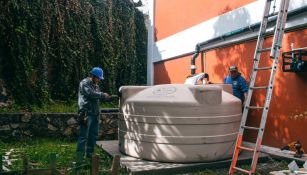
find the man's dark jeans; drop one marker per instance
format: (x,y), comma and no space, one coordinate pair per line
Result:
(88,136)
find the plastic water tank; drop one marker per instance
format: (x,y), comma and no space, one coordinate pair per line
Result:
(179,123)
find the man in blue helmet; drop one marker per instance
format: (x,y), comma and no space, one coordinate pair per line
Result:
(89,97)
(239,85)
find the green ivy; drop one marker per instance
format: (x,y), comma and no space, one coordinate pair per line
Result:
(47,47)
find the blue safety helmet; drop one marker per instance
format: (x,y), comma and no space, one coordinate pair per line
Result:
(97,72)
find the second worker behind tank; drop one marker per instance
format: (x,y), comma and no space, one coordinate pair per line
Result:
(239,85)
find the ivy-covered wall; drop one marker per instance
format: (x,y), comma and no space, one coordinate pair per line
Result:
(47,47)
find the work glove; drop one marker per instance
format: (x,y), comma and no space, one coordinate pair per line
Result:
(110,98)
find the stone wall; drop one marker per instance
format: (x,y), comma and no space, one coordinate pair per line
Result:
(51,125)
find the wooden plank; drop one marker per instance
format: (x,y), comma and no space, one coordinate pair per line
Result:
(111,147)
(138,166)
(1,163)
(25,163)
(40,171)
(11,172)
(95,165)
(115,165)
(276,152)
(53,163)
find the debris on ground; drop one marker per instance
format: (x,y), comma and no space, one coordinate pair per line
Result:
(293,170)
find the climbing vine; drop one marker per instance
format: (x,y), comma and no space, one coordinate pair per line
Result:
(47,47)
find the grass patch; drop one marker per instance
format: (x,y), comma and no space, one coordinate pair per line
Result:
(38,153)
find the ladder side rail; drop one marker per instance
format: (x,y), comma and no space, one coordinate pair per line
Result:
(280,27)
(257,55)
(282,21)
(264,116)
(256,62)
(282,31)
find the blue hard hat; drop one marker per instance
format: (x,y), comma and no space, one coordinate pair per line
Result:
(98,72)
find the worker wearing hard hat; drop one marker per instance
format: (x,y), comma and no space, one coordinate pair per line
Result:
(88,101)
(239,85)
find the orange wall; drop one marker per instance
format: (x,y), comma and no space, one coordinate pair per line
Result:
(287,120)
(172,16)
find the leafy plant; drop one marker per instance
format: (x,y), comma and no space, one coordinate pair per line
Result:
(47,47)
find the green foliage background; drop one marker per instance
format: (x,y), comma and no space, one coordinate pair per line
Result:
(47,47)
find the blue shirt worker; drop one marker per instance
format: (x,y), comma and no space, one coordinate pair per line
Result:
(239,85)
(89,97)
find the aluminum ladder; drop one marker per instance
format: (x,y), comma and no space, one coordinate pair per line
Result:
(274,54)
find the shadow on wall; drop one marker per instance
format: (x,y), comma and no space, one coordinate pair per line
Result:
(288,109)
(232,55)
(240,55)
(237,19)
(160,73)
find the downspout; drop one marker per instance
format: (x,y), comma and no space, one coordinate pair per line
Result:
(252,27)
(223,37)
(195,55)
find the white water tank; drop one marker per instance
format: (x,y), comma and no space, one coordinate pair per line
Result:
(179,123)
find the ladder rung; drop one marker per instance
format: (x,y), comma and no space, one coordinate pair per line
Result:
(242,170)
(259,87)
(250,127)
(255,107)
(272,14)
(265,49)
(263,68)
(246,148)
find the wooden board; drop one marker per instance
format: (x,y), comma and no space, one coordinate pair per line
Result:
(276,152)
(139,166)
